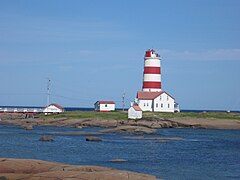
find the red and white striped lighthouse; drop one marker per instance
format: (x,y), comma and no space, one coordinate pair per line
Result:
(152,72)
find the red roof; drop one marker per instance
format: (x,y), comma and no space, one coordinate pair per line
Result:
(56,105)
(148,95)
(144,95)
(105,102)
(137,108)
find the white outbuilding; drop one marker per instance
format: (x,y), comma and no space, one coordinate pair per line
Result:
(134,112)
(156,101)
(53,109)
(104,106)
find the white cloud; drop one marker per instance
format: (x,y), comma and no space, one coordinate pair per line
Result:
(208,55)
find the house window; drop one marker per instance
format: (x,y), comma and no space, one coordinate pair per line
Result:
(168,105)
(147,104)
(156,104)
(160,98)
(167,98)
(161,105)
(144,104)
(105,105)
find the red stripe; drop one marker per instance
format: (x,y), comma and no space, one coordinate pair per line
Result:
(156,85)
(152,70)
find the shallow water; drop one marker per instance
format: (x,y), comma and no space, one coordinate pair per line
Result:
(203,154)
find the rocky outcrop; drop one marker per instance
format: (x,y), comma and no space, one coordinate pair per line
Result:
(154,122)
(42,170)
(93,138)
(118,160)
(130,130)
(153,139)
(46,139)
(28,127)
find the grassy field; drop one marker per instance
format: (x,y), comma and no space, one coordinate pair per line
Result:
(120,115)
(116,115)
(204,115)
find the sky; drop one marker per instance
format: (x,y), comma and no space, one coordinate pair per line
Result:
(93,50)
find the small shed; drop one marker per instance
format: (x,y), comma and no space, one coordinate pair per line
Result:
(134,112)
(53,109)
(104,106)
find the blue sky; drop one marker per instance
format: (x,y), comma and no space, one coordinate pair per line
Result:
(93,50)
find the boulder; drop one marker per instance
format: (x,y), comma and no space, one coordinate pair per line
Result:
(93,138)
(46,139)
(28,127)
(118,160)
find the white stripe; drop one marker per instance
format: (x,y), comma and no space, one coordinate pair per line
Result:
(152,90)
(152,77)
(152,62)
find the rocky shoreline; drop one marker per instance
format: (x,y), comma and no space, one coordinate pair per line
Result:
(121,126)
(31,169)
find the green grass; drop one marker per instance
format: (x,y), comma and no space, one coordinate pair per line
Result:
(115,115)
(120,115)
(204,115)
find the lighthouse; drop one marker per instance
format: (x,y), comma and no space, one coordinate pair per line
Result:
(152,97)
(152,72)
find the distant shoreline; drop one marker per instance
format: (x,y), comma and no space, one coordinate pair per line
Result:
(92,109)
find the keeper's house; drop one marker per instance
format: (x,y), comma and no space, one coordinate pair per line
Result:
(53,109)
(104,106)
(156,102)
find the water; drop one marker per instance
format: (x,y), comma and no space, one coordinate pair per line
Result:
(204,154)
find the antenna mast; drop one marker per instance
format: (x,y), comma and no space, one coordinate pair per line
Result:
(123,100)
(48,91)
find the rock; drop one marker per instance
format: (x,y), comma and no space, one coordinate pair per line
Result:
(93,138)
(153,139)
(99,123)
(37,169)
(130,130)
(76,133)
(3,178)
(118,160)
(28,127)
(46,139)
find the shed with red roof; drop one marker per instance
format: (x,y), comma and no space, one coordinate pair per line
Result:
(104,106)
(53,109)
(134,112)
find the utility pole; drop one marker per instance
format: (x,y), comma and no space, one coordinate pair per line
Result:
(48,91)
(123,100)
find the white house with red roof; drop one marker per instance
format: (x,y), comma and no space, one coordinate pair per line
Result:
(104,106)
(156,101)
(134,112)
(53,109)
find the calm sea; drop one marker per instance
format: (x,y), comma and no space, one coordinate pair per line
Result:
(203,154)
